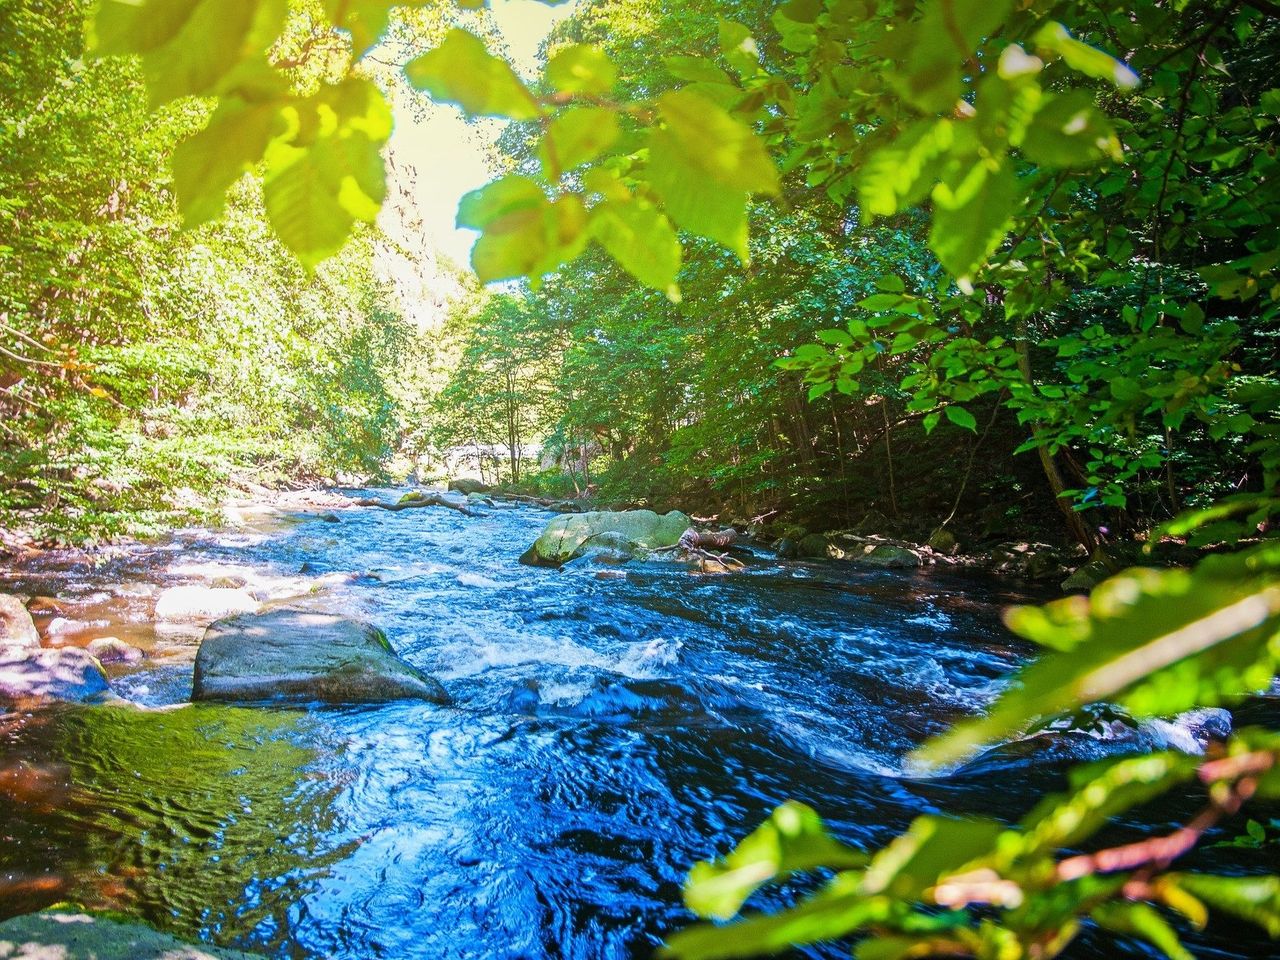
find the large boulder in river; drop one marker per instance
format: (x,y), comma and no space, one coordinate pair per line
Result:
(468,485)
(16,626)
(196,602)
(31,676)
(299,655)
(71,935)
(568,536)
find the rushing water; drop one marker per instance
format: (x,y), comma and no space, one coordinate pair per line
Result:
(607,732)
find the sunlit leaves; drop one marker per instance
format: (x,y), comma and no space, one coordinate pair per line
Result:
(192,49)
(1056,38)
(524,232)
(704,163)
(1069,131)
(576,136)
(331,174)
(206,164)
(971,216)
(642,240)
(365,20)
(792,839)
(581,68)
(463,71)
(1154,642)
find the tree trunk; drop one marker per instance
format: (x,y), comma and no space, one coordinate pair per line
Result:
(1075,523)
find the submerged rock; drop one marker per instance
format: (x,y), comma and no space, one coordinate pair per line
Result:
(67,935)
(568,536)
(196,602)
(298,655)
(114,650)
(30,676)
(16,626)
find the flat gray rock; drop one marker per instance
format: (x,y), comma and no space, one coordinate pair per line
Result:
(299,655)
(59,935)
(33,676)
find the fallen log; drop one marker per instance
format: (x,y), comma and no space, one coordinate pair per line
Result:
(423,500)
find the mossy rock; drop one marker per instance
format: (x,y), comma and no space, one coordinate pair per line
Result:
(943,541)
(889,556)
(564,537)
(814,545)
(1086,578)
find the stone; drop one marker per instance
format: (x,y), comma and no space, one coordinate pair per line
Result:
(786,549)
(298,655)
(886,555)
(468,485)
(71,935)
(114,650)
(30,676)
(563,537)
(813,545)
(609,547)
(1042,565)
(196,602)
(1086,578)
(17,629)
(943,541)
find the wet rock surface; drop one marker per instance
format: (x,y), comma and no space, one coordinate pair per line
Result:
(301,655)
(33,676)
(66,935)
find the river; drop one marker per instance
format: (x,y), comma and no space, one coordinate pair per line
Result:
(673,712)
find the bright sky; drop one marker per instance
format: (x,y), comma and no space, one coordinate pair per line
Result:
(449,154)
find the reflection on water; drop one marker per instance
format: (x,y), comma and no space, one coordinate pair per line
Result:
(606,734)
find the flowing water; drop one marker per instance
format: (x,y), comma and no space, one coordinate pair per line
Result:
(609,729)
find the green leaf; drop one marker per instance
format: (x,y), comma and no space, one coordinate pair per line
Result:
(642,240)
(931,847)
(835,911)
(1069,131)
(961,417)
(695,70)
(1100,792)
(1153,642)
(739,47)
(582,68)
(899,174)
(793,839)
(463,71)
(837,338)
(331,175)
(187,48)
(1256,899)
(576,136)
(971,218)
(1056,38)
(703,163)
(206,164)
(1141,920)
(528,240)
(479,208)
(366,20)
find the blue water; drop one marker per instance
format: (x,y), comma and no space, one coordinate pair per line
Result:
(607,732)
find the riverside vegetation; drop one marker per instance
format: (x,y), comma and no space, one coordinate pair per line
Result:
(987,266)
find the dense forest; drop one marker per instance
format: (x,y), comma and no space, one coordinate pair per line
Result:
(945,269)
